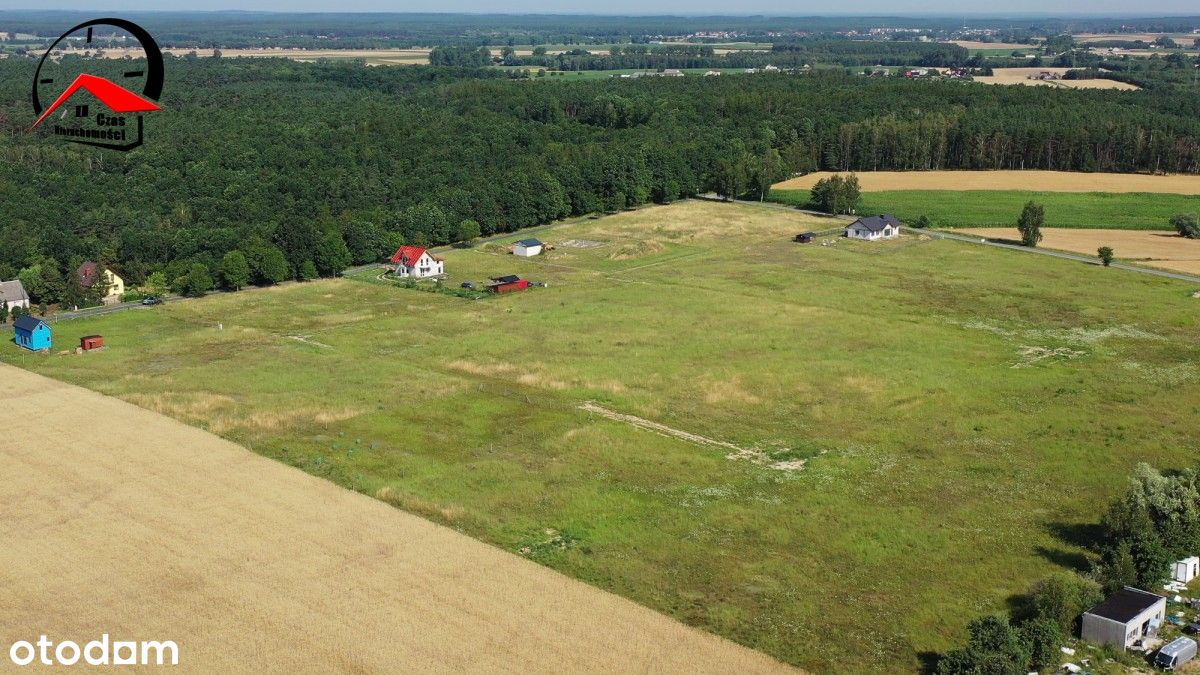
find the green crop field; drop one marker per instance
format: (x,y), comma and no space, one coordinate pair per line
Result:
(836,454)
(1000,208)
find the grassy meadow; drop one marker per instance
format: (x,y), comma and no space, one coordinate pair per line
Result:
(959,411)
(1000,208)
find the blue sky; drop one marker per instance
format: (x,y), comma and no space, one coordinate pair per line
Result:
(775,7)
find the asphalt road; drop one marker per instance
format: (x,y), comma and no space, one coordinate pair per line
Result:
(941,234)
(1060,254)
(126,306)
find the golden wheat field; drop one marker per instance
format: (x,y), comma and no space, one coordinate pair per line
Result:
(129,523)
(1034,181)
(1021,76)
(1165,250)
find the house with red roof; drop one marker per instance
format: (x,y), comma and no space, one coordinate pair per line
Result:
(414,262)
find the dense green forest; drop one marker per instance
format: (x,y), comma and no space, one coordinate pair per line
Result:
(305,168)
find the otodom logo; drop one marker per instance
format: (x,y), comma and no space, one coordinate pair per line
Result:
(101,112)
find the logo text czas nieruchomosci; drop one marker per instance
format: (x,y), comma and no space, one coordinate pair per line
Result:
(91,108)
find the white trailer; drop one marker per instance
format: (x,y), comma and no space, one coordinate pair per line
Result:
(1186,569)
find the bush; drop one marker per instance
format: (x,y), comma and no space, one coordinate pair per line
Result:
(195,283)
(1061,598)
(837,194)
(1186,225)
(1106,255)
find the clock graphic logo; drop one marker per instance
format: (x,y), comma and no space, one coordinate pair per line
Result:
(97,101)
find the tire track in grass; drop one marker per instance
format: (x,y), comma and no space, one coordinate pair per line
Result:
(753,455)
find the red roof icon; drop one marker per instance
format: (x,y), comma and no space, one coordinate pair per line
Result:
(116,97)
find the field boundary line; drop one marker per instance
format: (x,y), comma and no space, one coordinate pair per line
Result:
(981,241)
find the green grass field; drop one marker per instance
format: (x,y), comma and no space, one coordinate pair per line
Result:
(960,409)
(997,208)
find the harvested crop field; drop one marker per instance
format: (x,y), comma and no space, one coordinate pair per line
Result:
(129,523)
(1183,38)
(1034,181)
(1021,76)
(1165,250)
(975,44)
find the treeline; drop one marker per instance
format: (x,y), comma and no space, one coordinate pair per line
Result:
(304,168)
(793,54)
(869,53)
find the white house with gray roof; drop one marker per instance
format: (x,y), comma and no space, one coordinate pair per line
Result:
(13,292)
(876,227)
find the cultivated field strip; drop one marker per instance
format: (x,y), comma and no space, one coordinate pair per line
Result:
(122,521)
(1033,181)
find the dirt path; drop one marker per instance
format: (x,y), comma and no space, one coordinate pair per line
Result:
(738,453)
(119,520)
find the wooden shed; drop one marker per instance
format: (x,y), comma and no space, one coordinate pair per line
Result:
(507,284)
(89,342)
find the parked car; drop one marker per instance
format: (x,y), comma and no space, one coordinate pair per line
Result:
(1192,628)
(467,284)
(151,301)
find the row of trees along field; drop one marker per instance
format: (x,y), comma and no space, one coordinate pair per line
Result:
(792,54)
(308,167)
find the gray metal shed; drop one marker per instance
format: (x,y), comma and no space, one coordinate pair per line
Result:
(1125,617)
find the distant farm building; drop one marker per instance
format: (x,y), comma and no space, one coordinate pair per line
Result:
(417,263)
(13,293)
(91,274)
(1186,569)
(32,333)
(507,284)
(1127,616)
(527,248)
(875,227)
(91,342)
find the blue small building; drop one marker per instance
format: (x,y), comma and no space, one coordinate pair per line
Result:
(31,333)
